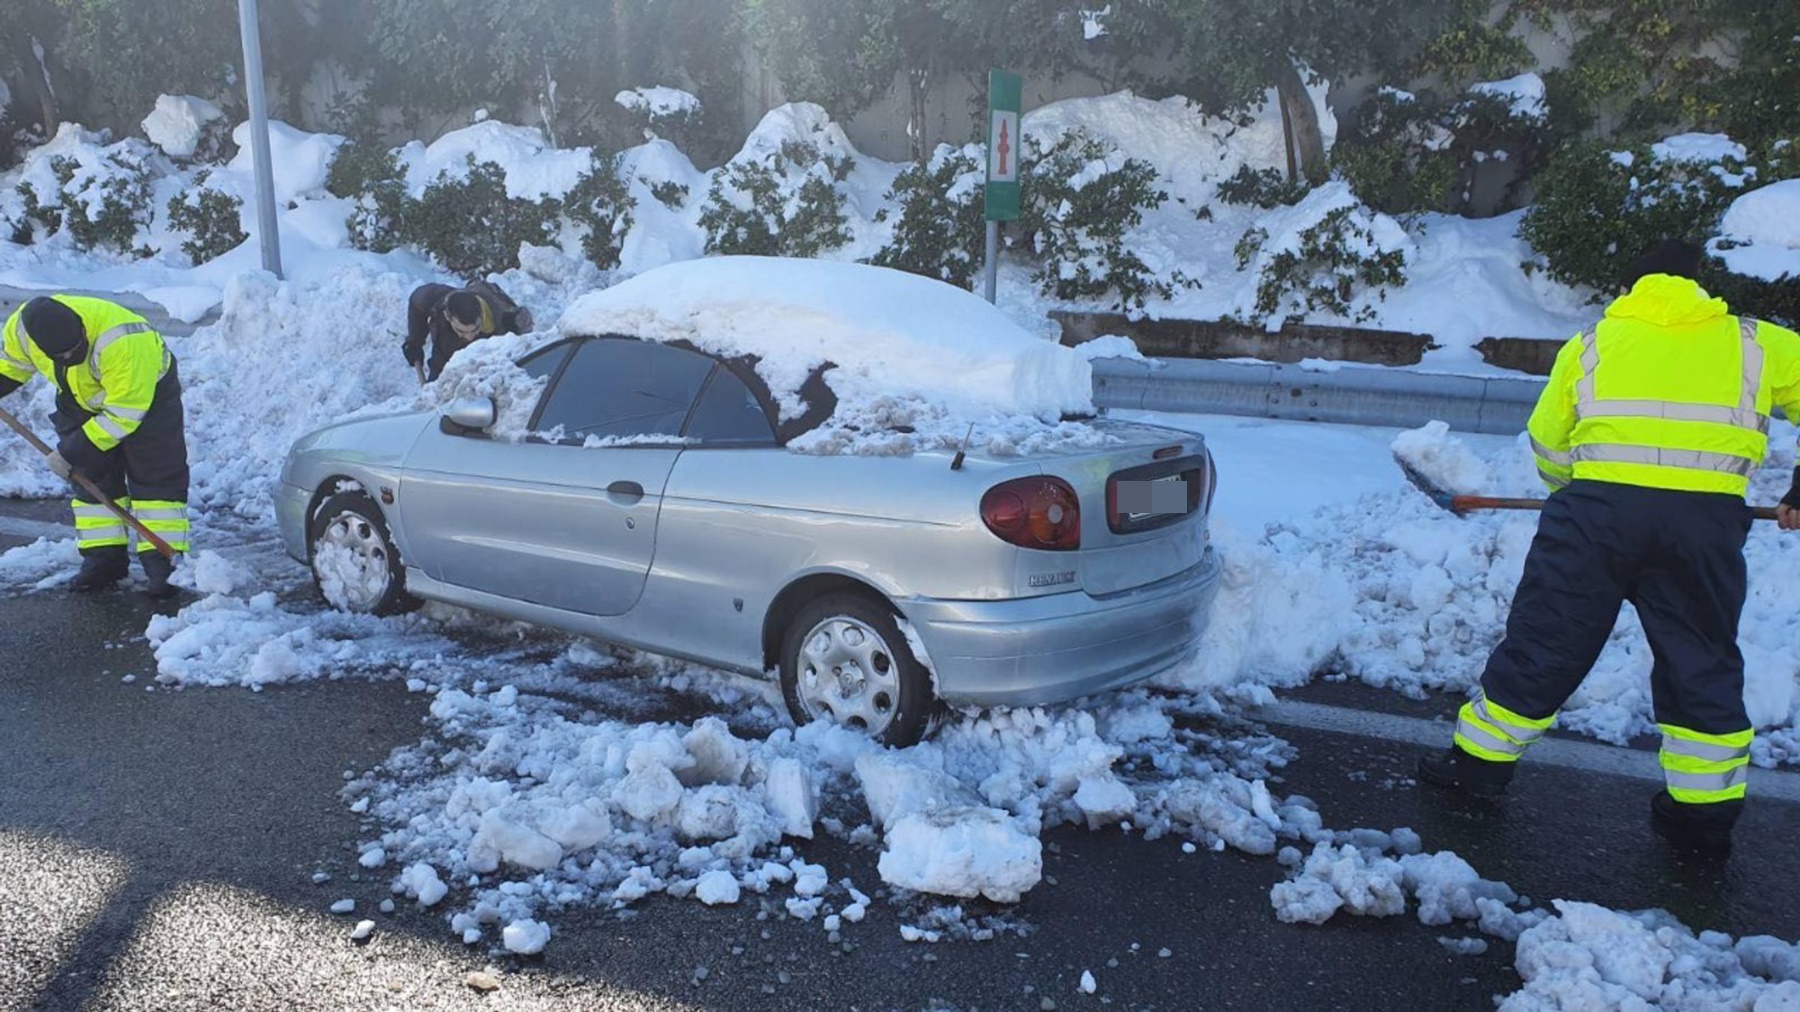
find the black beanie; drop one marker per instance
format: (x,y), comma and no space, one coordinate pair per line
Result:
(53,327)
(1670,256)
(463,307)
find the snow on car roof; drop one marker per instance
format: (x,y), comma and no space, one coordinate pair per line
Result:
(891,334)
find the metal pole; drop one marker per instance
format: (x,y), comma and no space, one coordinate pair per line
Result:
(992,272)
(259,138)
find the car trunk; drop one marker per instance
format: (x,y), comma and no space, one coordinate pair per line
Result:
(1143,505)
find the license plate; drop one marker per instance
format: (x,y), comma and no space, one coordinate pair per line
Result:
(1158,498)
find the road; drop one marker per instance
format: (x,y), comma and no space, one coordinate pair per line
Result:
(157,849)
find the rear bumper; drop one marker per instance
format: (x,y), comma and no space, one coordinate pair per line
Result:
(1059,647)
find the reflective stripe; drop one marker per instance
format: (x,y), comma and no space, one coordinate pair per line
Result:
(164,513)
(1590,360)
(110,427)
(89,511)
(1484,746)
(1529,729)
(1693,460)
(1553,456)
(1733,779)
(1753,365)
(1675,411)
(1714,751)
(1553,480)
(111,334)
(127,414)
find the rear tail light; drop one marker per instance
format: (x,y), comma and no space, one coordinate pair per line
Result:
(1042,513)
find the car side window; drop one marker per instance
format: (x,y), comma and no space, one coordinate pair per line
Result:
(542,364)
(616,389)
(729,414)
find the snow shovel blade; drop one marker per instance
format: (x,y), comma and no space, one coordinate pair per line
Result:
(1460,505)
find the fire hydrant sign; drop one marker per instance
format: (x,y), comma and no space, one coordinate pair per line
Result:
(1004,91)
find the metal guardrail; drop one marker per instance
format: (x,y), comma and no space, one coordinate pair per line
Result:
(1350,395)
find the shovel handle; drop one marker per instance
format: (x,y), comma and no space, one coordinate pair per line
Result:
(1465,503)
(91,489)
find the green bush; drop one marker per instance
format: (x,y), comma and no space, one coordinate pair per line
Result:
(1335,259)
(370,175)
(37,215)
(471,227)
(670,194)
(602,202)
(105,208)
(941,226)
(784,204)
(1080,200)
(210,218)
(1266,188)
(1396,156)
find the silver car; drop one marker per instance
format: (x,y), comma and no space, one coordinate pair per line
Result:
(876,588)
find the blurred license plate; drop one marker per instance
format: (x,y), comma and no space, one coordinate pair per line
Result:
(1153,498)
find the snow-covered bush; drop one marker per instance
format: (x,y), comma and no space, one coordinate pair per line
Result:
(371,176)
(667,113)
(210,217)
(1081,198)
(1266,188)
(1755,261)
(781,203)
(105,205)
(601,202)
(1599,209)
(669,193)
(939,231)
(189,129)
(472,226)
(1324,255)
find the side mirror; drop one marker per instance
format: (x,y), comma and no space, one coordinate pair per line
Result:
(467,415)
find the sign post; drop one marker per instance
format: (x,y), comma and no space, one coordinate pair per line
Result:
(1003,143)
(259,138)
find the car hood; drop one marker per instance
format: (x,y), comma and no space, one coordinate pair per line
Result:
(369,438)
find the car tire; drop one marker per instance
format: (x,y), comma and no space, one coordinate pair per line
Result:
(894,701)
(354,563)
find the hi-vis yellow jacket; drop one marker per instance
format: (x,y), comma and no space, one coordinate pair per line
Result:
(117,379)
(1668,391)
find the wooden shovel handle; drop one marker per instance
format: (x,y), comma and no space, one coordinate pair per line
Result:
(1465,503)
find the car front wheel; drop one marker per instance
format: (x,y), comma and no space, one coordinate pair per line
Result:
(354,562)
(844,659)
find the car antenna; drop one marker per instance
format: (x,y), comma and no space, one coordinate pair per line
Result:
(956,462)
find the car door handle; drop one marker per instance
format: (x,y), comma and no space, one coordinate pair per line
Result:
(625,493)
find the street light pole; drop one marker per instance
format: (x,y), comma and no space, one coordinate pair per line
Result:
(259,138)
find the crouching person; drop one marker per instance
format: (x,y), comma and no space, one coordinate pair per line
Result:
(449,319)
(118,422)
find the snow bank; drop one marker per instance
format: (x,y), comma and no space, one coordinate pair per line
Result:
(533,168)
(891,334)
(301,161)
(658,101)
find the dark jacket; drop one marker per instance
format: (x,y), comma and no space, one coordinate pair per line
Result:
(425,319)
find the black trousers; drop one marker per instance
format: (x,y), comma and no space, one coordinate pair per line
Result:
(151,464)
(1678,557)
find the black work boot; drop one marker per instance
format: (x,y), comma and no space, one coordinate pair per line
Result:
(1699,829)
(157,570)
(1457,770)
(101,568)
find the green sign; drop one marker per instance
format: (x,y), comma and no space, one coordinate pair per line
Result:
(1003,145)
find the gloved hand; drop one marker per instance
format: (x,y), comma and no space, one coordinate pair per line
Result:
(60,465)
(1787,514)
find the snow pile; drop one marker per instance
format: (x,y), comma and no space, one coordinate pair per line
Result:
(1441,459)
(177,123)
(1760,234)
(1588,957)
(893,336)
(658,102)
(301,162)
(533,169)
(1357,878)
(1366,234)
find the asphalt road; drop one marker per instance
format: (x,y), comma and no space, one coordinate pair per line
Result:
(157,849)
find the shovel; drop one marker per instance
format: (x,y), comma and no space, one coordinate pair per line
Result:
(1462,504)
(91,489)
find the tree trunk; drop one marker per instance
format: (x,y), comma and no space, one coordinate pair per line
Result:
(624,56)
(918,87)
(1306,144)
(35,81)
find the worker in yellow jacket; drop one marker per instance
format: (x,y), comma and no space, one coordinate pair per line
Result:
(1647,434)
(118,421)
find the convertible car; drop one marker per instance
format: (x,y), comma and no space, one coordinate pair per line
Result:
(670,492)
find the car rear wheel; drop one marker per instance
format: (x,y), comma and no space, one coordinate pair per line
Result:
(353,559)
(844,659)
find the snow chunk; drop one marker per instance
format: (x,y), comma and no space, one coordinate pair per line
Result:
(1706,149)
(177,122)
(1441,458)
(964,852)
(525,937)
(658,102)
(421,882)
(1524,94)
(791,797)
(1759,235)
(717,887)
